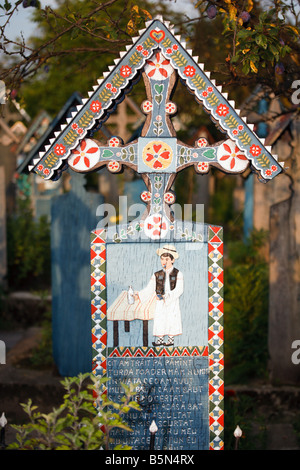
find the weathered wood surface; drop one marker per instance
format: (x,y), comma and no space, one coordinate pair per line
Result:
(73,216)
(3,246)
(284,309)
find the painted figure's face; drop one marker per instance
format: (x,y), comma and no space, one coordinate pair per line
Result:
(166,262)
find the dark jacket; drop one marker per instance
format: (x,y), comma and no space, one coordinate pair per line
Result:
(161,278)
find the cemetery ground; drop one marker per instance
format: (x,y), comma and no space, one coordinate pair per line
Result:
(268,415)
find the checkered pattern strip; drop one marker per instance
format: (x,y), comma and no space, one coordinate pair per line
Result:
(215,337)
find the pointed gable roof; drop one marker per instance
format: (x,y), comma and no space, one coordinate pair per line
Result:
(119,79)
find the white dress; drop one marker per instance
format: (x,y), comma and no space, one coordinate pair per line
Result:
(167,316)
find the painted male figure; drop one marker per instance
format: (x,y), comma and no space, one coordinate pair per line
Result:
(168,286)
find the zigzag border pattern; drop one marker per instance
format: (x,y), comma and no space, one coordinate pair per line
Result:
(157,352)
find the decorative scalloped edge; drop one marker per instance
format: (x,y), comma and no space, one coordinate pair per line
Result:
(101,116)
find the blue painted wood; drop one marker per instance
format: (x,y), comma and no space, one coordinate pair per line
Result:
(248,207)
(73,217)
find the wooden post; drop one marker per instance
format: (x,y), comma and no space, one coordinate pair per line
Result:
(3,249)
(73,215)
(284,308)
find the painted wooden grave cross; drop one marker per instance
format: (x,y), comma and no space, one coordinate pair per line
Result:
(173,348)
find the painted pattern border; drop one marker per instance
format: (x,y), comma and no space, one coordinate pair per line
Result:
(214,350)
(108,90)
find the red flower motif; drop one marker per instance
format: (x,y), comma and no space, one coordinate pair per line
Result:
(125,71)
(82,154)
(59,149)
(139,47)
(95,106)
(114,166)
(170,107)
(222,110)
(232,155)
(40,167)
(255,150)
(74,125)
(273,167)
(157,155)
(145,53)
(169,198)
(202,142)
(146,196)
(175,47)
(203,167)
(147,106)
(114,142)
(157,226)
(159,67)
(189,71)
(46,172)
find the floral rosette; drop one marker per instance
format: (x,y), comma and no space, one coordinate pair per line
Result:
(85,156)
(157,155)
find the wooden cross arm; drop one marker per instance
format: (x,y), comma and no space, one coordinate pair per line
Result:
(91,154)
(225,155)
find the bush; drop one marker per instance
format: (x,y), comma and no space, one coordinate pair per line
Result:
(246,310)
(82,422)
(28,249)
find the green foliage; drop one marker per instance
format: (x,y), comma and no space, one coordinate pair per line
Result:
(76,43)
(241,410)
(222,211)
(259,44)
(28,249)
(82,422)
(262,45)
(41,356)
(246,310)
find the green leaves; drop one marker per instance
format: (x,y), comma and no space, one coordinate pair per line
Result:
(261,45)
(77,424)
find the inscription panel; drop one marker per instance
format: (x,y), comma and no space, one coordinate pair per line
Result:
(173,391)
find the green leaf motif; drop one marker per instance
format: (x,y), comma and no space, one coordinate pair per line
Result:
(107,153)
(159,88)
(209,153)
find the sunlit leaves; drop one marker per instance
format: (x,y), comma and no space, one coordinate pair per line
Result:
(137,20)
